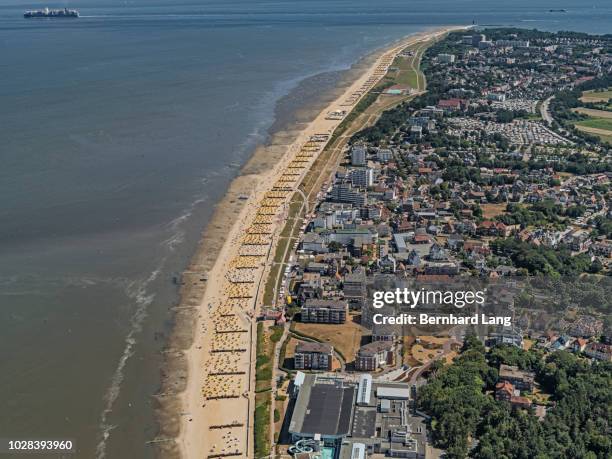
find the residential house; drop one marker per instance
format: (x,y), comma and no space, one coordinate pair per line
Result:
(599,351)
(522,380)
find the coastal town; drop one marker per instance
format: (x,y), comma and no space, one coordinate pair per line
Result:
(483,156)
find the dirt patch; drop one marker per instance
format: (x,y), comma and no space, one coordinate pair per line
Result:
(428,348)
(490,211)
(596,96)
(345,338)
(594,113)
(408,359)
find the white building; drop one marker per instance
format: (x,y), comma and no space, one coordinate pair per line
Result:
(446,58)
(497,97)
(384,155)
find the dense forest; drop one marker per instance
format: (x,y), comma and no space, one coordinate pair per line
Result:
(589,293)
(468,422)
(537,259)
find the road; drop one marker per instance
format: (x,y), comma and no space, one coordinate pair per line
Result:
(277,348)
(290,237)
(547,117)
(447,349)
(545,112)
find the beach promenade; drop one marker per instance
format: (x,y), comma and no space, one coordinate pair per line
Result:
(218,403)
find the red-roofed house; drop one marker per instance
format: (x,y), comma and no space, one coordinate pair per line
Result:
(453,105)
(504,390)
(493,228)
(599,351)
(521,402)
(421,239)
(579,344)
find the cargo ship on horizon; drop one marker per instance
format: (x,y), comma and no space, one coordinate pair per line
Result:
(47,13)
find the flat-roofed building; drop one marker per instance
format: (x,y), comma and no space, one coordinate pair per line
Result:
(358,451)
(324,311)
(328,410)
(599,351)
(364,390)
(358,155)
(393,392)
(313,356)
(323,409)
(506,335)
(446,58)
(362,177)
(374,355)
(354,286)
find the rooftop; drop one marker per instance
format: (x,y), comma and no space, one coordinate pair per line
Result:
(323,407)
(321,348)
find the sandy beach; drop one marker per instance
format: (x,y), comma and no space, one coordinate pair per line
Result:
(211,361)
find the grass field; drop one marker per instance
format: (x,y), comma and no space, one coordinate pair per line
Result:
(408,72)
(423,355)
(430,348)
(345,338)
(597,123)
(596,96)
(263,374)
(262,424)
(493,210)
(407,357)
(603,134)
(601,127)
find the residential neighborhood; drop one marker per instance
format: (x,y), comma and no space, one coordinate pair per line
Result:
(476,179)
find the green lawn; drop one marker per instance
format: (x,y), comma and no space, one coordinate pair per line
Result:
(406,75)
(408,67)
(263,373)
(597,123)
(262,424)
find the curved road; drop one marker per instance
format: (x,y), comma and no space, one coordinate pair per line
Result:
(546,116)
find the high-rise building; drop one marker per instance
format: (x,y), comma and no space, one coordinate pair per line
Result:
(362,178)
(358,155)
(477,38)
(344,192)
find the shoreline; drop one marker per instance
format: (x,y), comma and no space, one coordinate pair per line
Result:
(183,415)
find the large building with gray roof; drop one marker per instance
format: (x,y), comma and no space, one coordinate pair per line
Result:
(357,416)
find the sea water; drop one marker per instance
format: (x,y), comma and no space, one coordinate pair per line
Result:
(119,131)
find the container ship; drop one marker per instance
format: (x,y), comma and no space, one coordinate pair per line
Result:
(47,13)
